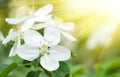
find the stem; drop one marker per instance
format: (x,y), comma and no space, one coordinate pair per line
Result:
(24,64)
(8,69)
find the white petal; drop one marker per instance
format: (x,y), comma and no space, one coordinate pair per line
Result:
(15,46)
(28,52)
(33,37)
(39,26)
(68,36)
(60,53)
(43,18)
(18,42)
(66,26)
(28,24)
(53,23)
(44,10)
(12,52)
(49,63)
(11,36)
(16,20)
(22,11)
(52,36)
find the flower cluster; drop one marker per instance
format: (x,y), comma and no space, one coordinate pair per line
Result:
(43,46)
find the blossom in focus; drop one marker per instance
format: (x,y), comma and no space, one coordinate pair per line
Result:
(16,34)
(101,36)
(45,47)
(62,28)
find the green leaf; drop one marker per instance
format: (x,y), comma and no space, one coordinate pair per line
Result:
(8,69)
(35,63)
(108,68)
(114,75)
(43,74)
(73,54)
(77,70)
(113,64)
(33,74)
(98,67)
(62,71)
(26,63)
(2,67)
(17,59)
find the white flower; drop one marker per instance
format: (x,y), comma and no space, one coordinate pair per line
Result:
(13,36)
(102,36)
(46,47)
(41,15)
(16,35)
(61,27)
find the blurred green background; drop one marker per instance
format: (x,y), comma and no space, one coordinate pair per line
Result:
(99,58)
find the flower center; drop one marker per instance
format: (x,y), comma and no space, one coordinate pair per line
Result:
(44,50)
(45,47)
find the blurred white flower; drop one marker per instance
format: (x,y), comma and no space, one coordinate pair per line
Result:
(61,27)
(41,15)
(102,36)
(46,47)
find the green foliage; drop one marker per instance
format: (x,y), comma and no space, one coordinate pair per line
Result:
(17,59)
(62,71)
(77,70)
(2,67)
(33,74)
(110,65)
(43,74)
(7,69)
(109,68)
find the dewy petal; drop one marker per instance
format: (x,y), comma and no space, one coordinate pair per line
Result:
(60,53)
(27,24)
(28,52)
(39,26)
(33,37)
(52,36)
(49,63)
(68,36)
(11,36)
(15,46)
(44,10)
(16,20)
(66,26)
